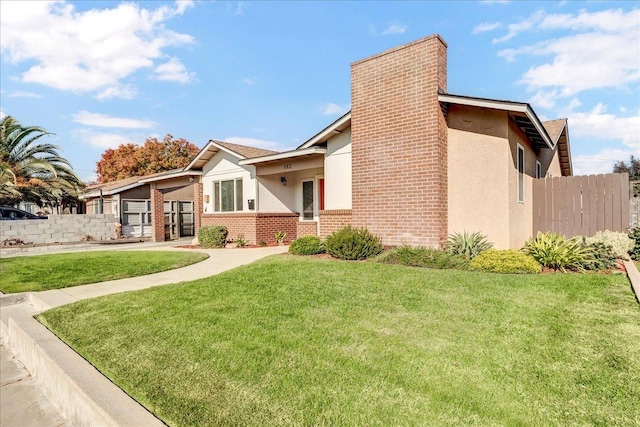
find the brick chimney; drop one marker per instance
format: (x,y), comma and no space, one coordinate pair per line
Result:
(399,143)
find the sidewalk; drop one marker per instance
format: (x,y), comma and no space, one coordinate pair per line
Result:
(59,378)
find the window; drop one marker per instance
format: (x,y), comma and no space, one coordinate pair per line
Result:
(538,169)
(307,200)
(227,195)
(520,174)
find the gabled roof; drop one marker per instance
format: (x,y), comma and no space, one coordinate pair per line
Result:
(520,112)
(213,147)
(330,131)
(298,152)
(115,187)
(559,133)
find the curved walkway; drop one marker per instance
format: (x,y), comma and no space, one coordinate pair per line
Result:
(56,376)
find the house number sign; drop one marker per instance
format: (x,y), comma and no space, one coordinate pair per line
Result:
(287,166)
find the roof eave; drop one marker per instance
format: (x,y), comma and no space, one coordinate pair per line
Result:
(327,132)
(517,107)
(283,156)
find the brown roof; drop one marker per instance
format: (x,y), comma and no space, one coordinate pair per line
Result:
(113,184)
(245,151)
(554,128)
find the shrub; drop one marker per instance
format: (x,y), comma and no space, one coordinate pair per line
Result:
(423,257)
(307,245)
(620,243)
(240,241)
(467,245)
(353,244)
(506,262)
(213,236)
(554,251)
(634,234)
(603,256)
(279,237)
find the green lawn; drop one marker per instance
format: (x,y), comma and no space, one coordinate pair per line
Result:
(43,272)
(293,341)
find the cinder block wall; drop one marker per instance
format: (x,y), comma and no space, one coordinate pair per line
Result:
(399,143)
(59,229)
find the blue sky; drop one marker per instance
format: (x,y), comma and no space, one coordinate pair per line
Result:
(272,74)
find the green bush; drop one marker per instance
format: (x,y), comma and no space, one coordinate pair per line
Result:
(554,251)
(423,257)
(213,236)
(467,245)
(506,262)
(352,244)
(307,245)
(620,243)
(603,256)
(634,235)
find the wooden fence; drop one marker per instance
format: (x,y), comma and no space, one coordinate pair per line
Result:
(581,205)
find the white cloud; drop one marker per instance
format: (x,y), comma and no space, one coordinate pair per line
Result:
(485,26)
(173,71)
(545,100)
(395,28)
(331,109)
(600,162)
(519,27)
(603,52)
(20,94)
(103,120)
(597,123)
(257,143)
(492,2)
(250,81)
(101,140)
(124,92)
(2,114)
(85,51)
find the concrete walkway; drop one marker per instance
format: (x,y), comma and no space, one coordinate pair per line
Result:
(45,383)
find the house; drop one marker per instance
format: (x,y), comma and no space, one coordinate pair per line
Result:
(131,201)
(410,162)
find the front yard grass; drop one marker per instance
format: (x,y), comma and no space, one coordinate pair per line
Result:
(294,341)
(43,272)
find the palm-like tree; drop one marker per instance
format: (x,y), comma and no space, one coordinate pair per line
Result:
(30,170)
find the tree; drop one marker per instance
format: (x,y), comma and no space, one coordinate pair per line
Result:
(632,168)
(129,160)
(32,171)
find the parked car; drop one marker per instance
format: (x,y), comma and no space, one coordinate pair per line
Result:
(9,213)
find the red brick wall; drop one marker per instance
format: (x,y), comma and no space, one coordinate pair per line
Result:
(399,143)
(255,227)
(269,223)
(332,220)
(197,205)
(237,224)
(157,214)
(307,228)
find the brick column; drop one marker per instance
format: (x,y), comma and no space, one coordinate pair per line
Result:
(399,143)
(157,214)
(197,206)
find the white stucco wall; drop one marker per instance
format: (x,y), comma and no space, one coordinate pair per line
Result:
(337,172)
(224,166)
(273,196)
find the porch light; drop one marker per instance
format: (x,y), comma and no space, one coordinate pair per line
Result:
(283,180)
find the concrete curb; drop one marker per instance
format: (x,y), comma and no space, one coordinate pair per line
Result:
(634,277)
(80,392)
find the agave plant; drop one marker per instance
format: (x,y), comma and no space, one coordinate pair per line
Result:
(554,251)
(467,245)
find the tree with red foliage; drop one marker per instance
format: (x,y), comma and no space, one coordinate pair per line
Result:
(129,160)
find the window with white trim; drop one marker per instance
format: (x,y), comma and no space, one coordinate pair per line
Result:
(520,173)
(227,195)
(538,169)
(307,200)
